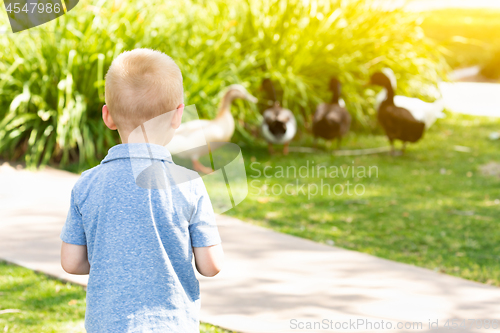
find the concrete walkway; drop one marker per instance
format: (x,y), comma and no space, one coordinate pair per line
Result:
(473,98)
(270,279)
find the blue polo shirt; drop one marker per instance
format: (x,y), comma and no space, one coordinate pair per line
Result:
(139,241)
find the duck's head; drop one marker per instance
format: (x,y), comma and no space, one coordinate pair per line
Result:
(385,78)
(268,87)
(334,84)
(237,91)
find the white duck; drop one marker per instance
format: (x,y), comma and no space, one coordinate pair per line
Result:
(192,139)
(279,125)
(422,111)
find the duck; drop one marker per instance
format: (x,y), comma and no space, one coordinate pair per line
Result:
(279,125)
(332,120)
(428,113)
(193,138)
(397,122)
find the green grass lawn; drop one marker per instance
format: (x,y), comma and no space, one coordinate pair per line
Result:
(470,35)
(45,304)
(431,208)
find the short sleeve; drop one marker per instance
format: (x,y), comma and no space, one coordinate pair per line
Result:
(202,226)
(73,232)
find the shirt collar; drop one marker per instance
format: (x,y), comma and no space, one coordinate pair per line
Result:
(149,151)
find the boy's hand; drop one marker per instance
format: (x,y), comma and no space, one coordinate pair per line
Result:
(74,259)
(208,260)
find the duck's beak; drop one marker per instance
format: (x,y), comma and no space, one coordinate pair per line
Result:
(251,98)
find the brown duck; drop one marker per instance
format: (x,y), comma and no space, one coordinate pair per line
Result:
(397,122)
(332,120)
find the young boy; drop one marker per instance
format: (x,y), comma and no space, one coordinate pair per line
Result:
(136,243)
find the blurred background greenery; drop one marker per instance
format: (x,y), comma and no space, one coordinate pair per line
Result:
(469,37)
(51,87)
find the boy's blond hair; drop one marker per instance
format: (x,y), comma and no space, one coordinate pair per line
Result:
(140,85)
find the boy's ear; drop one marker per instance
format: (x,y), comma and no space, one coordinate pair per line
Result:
(106,117)
(177,118)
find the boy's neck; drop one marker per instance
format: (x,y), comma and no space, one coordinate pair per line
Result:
(141,136)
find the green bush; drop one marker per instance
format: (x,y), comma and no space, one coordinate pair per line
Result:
(51,77)
(469,36)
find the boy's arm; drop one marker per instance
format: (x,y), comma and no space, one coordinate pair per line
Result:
(74,259)
(209,259)
(205,239)
(74,247)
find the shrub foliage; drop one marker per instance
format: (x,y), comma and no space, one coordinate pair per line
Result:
(52,77)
